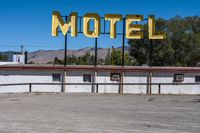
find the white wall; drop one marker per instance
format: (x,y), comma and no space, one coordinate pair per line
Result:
(23,76)
(77,77)
(8,77)
(175,89)
(9,63)
(135,77)
(20,58)
(104,77)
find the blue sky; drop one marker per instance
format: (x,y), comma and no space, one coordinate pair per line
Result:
(28,22)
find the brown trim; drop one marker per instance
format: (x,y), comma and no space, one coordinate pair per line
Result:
(103,68)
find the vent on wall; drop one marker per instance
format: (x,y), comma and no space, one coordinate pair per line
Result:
(115,76)
(178,77)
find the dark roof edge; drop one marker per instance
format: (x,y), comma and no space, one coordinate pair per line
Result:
(103,68)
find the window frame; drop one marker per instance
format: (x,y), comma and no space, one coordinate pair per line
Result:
(196,78)
(87,78)
(56,77)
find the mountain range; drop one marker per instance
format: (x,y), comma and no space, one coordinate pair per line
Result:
(43,56)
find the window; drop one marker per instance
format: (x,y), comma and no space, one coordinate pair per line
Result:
(197,79)
(87,77)
(115,76)
(56,77)
(178,77)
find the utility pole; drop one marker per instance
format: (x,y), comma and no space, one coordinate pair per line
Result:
(22,49)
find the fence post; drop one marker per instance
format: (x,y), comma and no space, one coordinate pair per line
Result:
(30,87)
(97,88)
(121,85)
(159,89)
(63,81)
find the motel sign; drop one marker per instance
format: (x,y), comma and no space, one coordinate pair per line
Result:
(133,31)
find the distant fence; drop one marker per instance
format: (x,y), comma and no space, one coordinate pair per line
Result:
(99,84)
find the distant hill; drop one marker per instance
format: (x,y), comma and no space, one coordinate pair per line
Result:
(42,56)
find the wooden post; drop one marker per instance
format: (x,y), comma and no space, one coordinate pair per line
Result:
(30,87)
(97,88)
(149,81)
(63,81)
(121,91)
(159,89)
(94,75)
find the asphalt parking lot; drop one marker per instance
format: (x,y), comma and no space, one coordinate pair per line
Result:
(98,113)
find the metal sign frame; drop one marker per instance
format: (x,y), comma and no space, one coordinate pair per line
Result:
(80,19)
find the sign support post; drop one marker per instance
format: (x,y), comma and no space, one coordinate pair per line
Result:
(65,55)
(96,43)
(123,43)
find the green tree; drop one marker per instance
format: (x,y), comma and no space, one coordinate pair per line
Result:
(86,59)
(181,47)
(31,62)
(3,57)
(71,60)
(116,58)
(57,61)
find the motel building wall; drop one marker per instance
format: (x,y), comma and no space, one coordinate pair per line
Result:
(13,74)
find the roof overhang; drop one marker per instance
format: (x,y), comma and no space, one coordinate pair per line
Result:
(101,68)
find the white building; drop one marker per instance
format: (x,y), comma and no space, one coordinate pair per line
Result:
(15,58)
(132,80)
(19,58)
